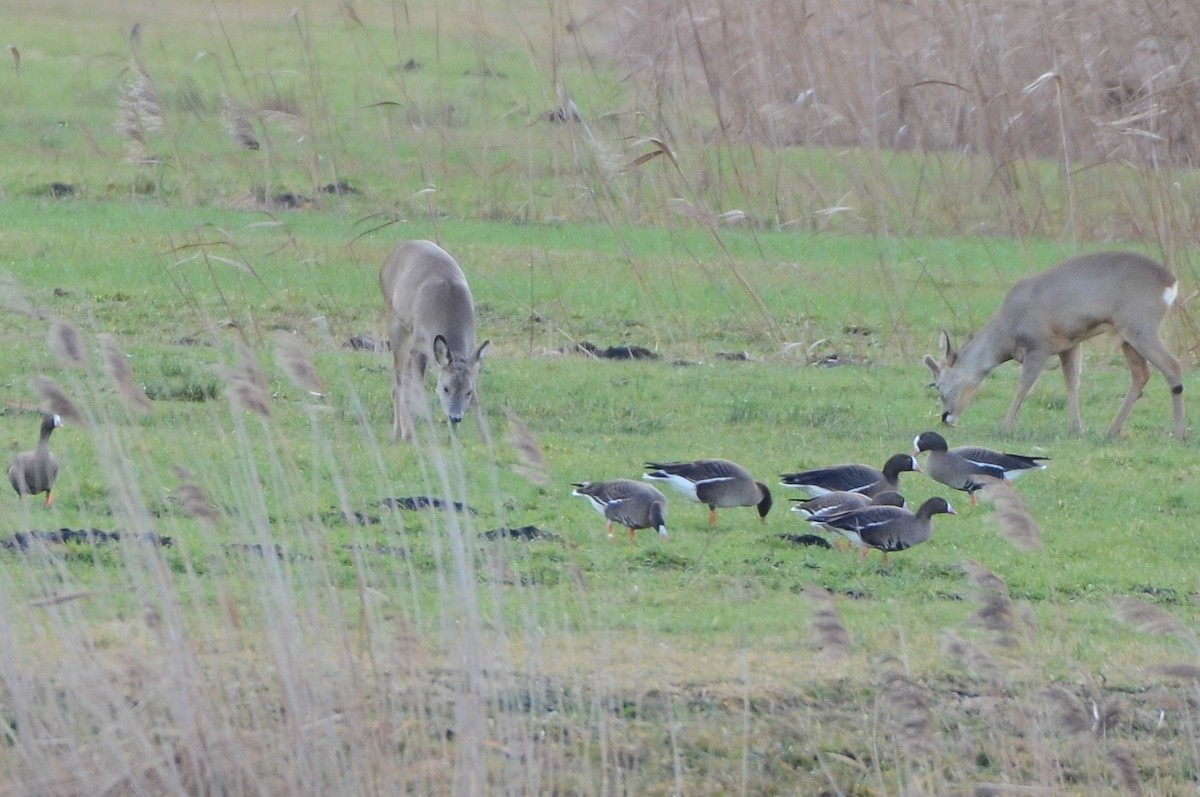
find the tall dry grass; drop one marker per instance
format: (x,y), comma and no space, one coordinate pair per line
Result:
(980,89)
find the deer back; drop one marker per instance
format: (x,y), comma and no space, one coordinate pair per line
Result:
(1082,297)
(426,291)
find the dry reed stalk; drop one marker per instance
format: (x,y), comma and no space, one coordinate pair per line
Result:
(57,401)
(293,358)
(1011,518)
(825,626)
(116,364)
(531,463)
(67,344)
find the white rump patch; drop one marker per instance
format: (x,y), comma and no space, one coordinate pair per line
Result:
(1170,293)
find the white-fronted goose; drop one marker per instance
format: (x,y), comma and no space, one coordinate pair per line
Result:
(716,482)
(852,478)
(34,472)
(887,528)
(628,502)
(961,467)
(829,504)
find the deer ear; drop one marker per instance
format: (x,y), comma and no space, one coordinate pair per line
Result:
(947,348)
(933,365)
(475,358)
(441,352)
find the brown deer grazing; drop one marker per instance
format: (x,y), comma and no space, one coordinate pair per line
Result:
(1052,313)
(430,314)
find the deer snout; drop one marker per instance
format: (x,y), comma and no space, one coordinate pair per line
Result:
(455,420)
(948,419)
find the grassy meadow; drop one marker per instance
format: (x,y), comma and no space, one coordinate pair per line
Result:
(202,194)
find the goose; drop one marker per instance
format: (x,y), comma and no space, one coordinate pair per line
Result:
(827,504)
(852,478)
(961,467)
(628,502)
(887,528)
(716,482)
(34,472)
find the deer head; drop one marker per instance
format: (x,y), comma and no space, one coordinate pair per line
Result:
(955,388)
(456,378)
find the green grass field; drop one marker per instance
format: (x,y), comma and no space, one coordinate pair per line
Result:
(288,645)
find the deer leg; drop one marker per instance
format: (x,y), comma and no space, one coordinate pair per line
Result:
(1139,375)
(401,354)
(1072,364)
(412,393)
(1151,347)
(1031,368)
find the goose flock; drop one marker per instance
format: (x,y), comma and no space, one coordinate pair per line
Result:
(855,502)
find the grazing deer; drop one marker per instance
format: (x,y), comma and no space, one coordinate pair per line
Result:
(1052,313)
(430,314)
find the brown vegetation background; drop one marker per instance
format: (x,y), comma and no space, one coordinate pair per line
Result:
(1086,81)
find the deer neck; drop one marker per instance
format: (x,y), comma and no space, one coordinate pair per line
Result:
(991,346)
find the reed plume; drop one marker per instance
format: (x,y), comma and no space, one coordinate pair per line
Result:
(995,612)
(972,658)
(1065,711)
(531,463)
(1011,518)
(825,626)
(907,707)
(139,112)
(247,384)
(116,365)
(67,344)
(1148,618)
(193,499)
(57,401)
(292,356)
(1125,769)
(237,124)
